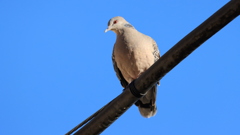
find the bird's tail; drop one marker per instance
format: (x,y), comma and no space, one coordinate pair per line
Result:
(147,104)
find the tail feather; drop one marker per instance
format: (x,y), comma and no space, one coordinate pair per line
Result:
(147,104)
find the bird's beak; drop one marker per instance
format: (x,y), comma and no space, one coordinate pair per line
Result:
(108,28)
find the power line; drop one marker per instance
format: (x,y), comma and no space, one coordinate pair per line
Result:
(103,118)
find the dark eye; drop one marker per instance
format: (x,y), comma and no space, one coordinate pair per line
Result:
(114,22)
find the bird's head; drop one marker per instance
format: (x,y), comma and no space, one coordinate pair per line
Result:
(117,23)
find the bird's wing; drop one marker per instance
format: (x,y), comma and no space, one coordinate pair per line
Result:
(124,83)
(156,51)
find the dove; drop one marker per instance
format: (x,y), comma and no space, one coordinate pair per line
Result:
(133,53)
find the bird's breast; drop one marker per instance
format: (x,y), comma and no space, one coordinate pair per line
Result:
(132,57)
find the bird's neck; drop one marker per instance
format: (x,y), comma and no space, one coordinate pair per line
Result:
(120,32)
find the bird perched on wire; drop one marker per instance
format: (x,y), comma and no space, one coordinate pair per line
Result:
(133,53)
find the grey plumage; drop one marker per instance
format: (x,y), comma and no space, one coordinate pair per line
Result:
(134,53)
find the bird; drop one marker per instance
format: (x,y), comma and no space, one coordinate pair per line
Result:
(133,53)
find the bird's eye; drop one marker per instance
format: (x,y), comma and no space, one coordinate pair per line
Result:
(114,22)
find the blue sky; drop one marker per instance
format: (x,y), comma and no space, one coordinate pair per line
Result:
(56,67)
